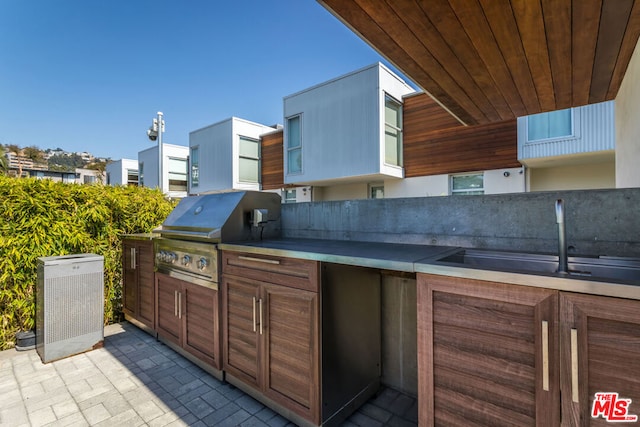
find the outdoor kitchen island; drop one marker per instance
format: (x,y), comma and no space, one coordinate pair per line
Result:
(522,336)
(301,322)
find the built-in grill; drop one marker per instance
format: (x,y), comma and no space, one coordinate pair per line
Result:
(187,248)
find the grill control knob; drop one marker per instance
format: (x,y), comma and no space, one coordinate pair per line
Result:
(202,263)
(186,260)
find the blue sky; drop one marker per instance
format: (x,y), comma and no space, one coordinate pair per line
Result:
(90,75)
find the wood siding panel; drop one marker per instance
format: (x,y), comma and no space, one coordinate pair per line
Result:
(532,55)
(610,39)
(272,146)
(421,114)
(460,149)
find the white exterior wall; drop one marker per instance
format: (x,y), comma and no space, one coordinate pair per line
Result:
(218,146)
(216,157)
(593,131)
(117,170)
(150,159)
(627,120)
(573,177)
(342,125)
(495,182)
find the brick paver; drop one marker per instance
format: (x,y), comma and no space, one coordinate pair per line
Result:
(135,380)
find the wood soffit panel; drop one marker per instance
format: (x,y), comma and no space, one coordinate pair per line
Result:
(492,60)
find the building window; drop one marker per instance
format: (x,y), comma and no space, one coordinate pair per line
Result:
(294,144)
(90,179)
(462,185)
(551,125)
(141,174)
(290,196)
(376,191)
(392,131)
(132,177)
(177,174)
(195,166)
(249,170)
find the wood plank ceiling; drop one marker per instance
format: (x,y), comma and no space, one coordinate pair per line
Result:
(492,60)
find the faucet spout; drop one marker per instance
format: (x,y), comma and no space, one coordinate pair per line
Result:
(563,265)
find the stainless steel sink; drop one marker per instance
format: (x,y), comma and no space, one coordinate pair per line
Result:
(607,268)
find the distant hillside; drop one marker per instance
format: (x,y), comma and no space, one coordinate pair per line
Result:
(58,159)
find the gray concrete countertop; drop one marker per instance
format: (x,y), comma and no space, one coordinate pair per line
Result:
(386,256)
(421,259)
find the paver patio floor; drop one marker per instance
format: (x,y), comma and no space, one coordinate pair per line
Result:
(135,380)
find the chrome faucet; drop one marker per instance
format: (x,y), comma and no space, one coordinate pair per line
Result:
(563,266)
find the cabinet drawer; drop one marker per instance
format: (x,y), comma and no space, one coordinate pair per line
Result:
(292,272)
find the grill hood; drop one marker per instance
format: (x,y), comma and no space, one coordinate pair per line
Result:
(224,217)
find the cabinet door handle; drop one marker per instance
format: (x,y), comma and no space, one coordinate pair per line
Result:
(574,366)
(254,314)
(545,355)
(262,260)
(133,258)
(175,303)
(260,305)
(179,305)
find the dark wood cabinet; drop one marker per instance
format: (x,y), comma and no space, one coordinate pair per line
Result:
(271,337)
(187,316)
(600,350)
(138,294)
(498,354)
(301,336)
(487,353)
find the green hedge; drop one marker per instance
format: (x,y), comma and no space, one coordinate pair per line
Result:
(46,218)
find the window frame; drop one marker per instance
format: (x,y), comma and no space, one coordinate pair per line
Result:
(398,127)
(297,147)
(173,187)
(256,159)
(194,163)
(464,192)
(290,191)
(375,186)
(572,135)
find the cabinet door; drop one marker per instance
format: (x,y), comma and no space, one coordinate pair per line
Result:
(200,333)
(241,328)
(130,279)
(600,351)
(168,308)
(290,352)
(146,286)
(487,353)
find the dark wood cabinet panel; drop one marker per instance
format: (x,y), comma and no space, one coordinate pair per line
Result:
(146,285)
(201,323)
(138,293)
(169,316)
(270,322)
(291,272)
(291,347)
(240,341)
(600,349)
(500,354)
(187,315)
(487,353)
(130,279)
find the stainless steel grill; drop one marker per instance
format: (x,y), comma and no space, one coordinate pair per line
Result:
(187,247)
